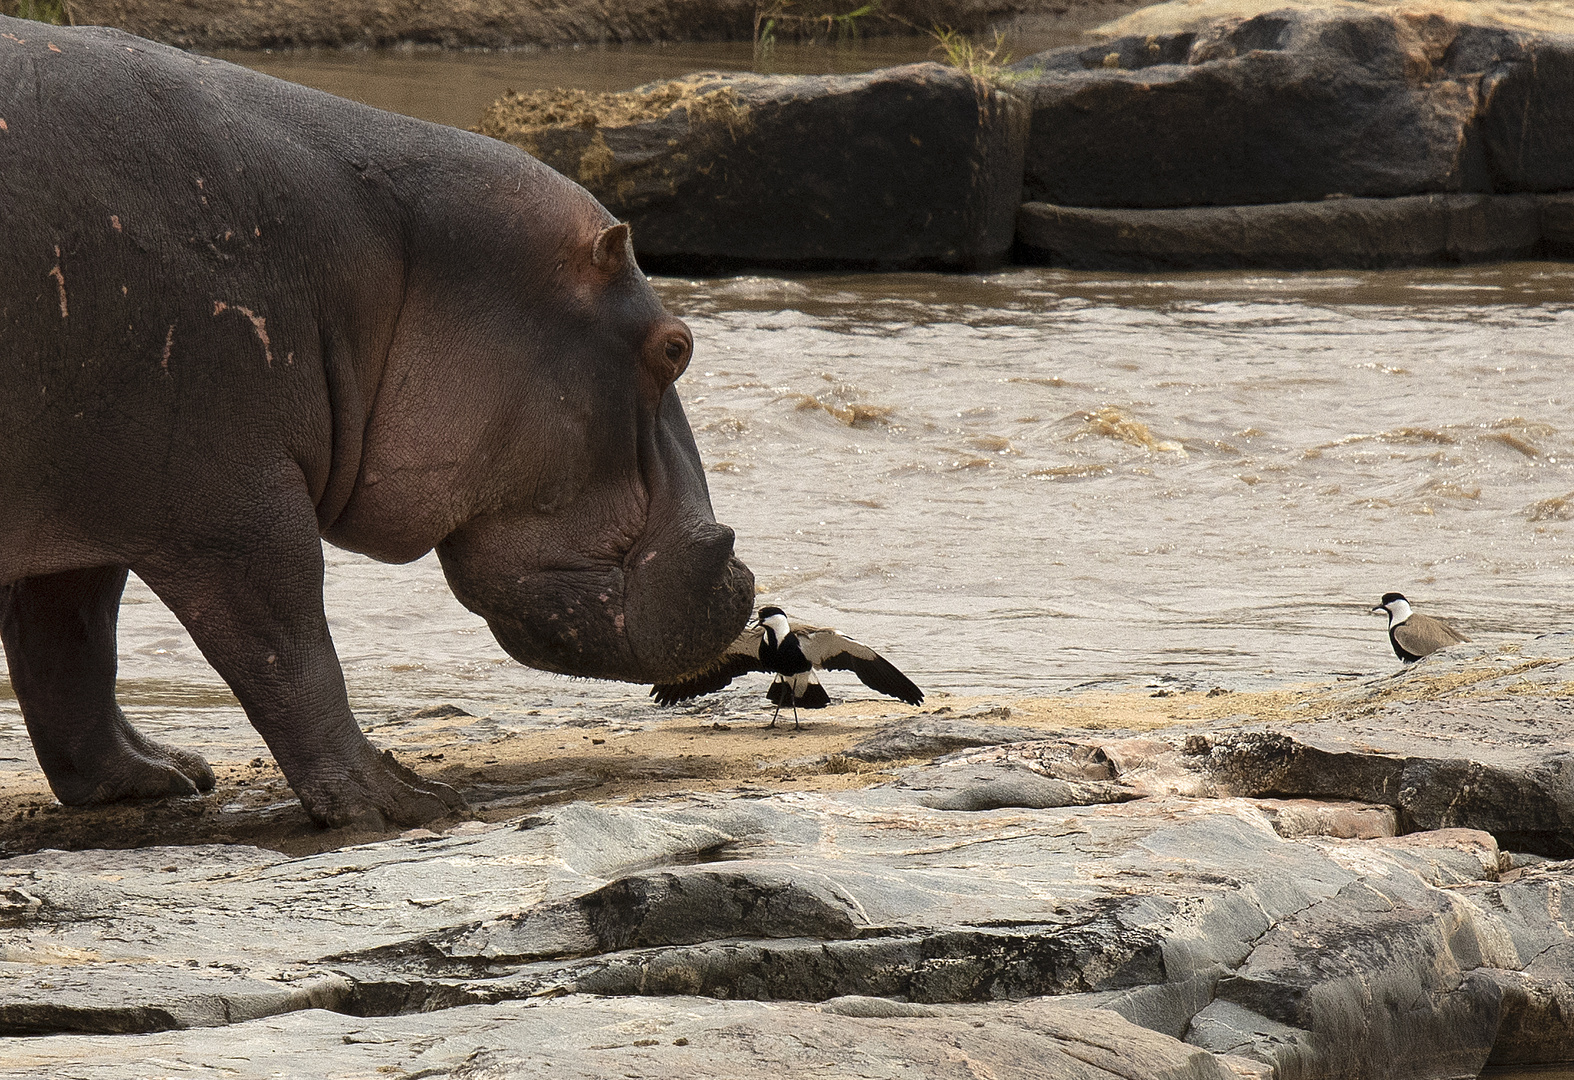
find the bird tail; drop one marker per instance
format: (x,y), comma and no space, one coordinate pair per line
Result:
(812,697)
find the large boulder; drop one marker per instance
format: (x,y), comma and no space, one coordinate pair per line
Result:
(1528,118)
(1298,105)
(909,167)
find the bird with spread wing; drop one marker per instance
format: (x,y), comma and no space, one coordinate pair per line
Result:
(794,655)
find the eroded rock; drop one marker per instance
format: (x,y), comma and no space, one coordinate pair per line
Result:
(1527,96)
(1282,107)
(913,167)
(1348,233)
(1300,138)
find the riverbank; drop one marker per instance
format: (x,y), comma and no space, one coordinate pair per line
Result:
(1309,137)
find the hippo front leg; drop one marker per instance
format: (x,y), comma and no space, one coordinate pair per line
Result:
(255,610)
(59,633)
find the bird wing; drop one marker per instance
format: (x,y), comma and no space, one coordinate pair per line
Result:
(1421,635)
(828,649)
(741,656)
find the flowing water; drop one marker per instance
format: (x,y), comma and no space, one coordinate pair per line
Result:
(1036,480)
(453,87)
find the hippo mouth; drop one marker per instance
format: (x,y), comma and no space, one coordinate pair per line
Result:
(667,610)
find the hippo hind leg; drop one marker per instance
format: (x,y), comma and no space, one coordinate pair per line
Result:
(59,633)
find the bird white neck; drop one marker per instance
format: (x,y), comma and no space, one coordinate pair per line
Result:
(1398,612)
(778,628)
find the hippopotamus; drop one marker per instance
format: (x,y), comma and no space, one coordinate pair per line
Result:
(239,317)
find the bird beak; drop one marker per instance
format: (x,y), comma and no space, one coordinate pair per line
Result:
(1379,610)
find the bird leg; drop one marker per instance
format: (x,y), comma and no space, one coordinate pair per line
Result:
(778,711)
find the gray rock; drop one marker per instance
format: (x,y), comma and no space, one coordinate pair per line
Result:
(1347,966)
(876,1007)
(1224,1027)
(1525,118)
(912,167)
(931,736)
(1231,919)
(680,906)
(658,1038)
(1557,224)
(1347,233)
(119,999)
(1536,1014)
(994,789)
(1284,107)
(1297,818)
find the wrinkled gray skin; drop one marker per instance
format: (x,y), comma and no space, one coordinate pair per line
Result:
(237,315)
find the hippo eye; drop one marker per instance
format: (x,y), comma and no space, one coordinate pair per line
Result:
(675,347)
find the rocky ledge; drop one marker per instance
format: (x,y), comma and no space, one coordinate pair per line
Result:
(1373,884)
(1222,135)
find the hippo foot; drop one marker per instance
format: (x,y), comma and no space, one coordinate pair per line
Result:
(378,794)
(136,768)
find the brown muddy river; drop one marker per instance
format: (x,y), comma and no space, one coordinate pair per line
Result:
(450,87)
(1035,480)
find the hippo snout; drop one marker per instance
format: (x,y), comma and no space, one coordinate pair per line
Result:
(713,544)
(685,606)
(675,602)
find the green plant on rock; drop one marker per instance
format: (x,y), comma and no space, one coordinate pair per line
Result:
(982,62)
(816,22)
(45,11)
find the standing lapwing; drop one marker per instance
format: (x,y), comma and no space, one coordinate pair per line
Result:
(1414,636)
(793,654)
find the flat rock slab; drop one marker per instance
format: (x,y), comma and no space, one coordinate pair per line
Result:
(1473,737)
(676,1037)
(910,167)
(1355,233)
(1212,902)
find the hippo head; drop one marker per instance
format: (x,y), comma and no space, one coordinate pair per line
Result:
(543,440)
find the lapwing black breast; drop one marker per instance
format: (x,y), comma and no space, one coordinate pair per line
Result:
(794,655)
(1414,636)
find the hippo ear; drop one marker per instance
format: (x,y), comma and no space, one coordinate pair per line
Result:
(613,250)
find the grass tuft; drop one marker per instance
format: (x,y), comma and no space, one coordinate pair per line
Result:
(44,11)
(814,20)
(965,54)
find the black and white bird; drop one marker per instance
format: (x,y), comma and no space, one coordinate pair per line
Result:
(1414,636)
(794,654)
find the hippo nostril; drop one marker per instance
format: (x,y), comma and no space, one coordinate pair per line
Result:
(716,541)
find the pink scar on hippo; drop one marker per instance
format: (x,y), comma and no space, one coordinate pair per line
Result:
(476,365)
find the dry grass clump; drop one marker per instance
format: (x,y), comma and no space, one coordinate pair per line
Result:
(516,116)
(985,62)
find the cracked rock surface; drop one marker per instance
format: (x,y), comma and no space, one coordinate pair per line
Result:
(1367,883)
